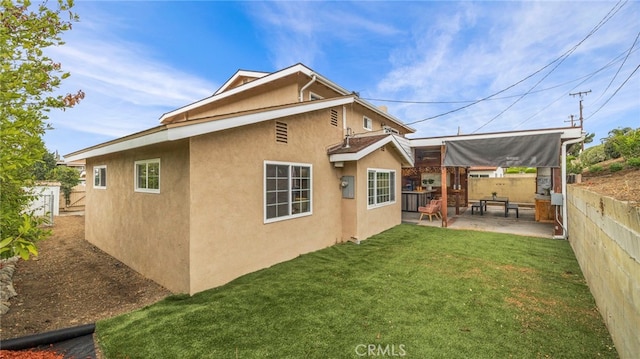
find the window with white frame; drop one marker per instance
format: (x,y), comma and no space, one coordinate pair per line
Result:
(366,123)
(381,187)
(314,97)
(287,190)
(100,177)
(147,176)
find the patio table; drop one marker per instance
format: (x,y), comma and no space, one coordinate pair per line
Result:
(484,200)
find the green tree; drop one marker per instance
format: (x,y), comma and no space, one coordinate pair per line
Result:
(28,79)
(610,142)
(42,168)
(627,144)
(68,178)
(574,149)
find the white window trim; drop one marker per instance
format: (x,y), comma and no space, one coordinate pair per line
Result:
(264,192)
(392,191)
(135,176)
(366,120)
(105,177)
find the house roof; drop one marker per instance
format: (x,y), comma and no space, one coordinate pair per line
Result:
(361,146)
(177,131)
(261,78)
(242,76)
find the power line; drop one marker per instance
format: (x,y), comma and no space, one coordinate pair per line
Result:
(565,56)
(603,21)
(586,78)
(618,89)
(620,68)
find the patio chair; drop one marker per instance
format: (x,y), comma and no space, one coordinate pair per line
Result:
(432,209)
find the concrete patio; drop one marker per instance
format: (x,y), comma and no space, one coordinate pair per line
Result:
(493,220)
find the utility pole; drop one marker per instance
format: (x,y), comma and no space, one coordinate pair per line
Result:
(581,93)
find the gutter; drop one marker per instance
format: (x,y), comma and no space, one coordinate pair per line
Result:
(564,183)
(313,79)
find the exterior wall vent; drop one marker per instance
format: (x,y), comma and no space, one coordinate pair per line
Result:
(282,134)
(388,129)
(334,117)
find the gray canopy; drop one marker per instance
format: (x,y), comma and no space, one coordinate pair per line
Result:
(541,150)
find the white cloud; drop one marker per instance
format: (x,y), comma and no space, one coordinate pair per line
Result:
(127,90)
(469,52)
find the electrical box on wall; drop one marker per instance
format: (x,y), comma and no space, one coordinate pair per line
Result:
(556,199)
(348,186)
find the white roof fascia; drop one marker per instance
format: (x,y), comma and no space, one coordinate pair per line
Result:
(255,83)
(342,157)
(565,133)
(384,114)
(141,141)
(240,73)
(176,133)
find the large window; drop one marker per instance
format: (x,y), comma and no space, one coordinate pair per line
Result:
(147,176)
(381,187)
(287,190)
(100,177)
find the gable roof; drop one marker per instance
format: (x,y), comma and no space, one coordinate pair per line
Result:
(262,78)
(359,147)
(240,74)
(219,95)
(169,131)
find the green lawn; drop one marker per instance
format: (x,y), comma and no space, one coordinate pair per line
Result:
(412,291)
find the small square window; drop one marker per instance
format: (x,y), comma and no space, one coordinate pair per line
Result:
(147,176)
(100,177)
(366,123)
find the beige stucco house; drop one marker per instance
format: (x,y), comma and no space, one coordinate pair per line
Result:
(271,166)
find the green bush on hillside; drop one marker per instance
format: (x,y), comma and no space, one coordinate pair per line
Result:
(593,155)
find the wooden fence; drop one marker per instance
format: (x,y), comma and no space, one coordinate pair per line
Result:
(77,199)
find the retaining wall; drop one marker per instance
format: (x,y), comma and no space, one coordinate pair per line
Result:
(605,236)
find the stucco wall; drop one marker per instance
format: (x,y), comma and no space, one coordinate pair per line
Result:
(350,205)
(146,231)
(377,219)
(229,236)
(518,189)
(254,99)
(605,237)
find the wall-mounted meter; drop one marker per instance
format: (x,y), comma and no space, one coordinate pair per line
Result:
(348,186)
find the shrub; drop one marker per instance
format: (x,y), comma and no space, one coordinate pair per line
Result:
(634,162)
(593,155)
(628,145)
(531,170)
(574,167)
(595,168)
(615,167)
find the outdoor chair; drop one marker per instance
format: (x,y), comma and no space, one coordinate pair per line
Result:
(513,206)
(432,209)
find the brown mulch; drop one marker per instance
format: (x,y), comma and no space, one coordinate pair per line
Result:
(71,283)
(623,185)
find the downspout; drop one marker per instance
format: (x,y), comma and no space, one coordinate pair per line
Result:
(563,174)
(313,79)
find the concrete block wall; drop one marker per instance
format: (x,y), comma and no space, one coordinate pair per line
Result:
(605,236)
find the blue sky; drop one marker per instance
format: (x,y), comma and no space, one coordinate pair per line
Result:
(137,60)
